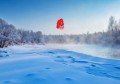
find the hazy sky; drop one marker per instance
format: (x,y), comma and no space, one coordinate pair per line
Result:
(80,16)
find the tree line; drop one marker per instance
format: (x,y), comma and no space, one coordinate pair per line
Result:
(110,37)
(9,35)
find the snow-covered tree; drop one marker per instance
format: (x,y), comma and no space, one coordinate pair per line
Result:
(9,35)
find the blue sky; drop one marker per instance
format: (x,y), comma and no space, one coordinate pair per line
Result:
(80,16)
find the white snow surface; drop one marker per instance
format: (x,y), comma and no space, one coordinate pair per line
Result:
(39,64)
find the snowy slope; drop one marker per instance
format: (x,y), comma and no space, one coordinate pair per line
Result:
(41,65)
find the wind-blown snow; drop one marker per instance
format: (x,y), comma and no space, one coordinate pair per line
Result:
(42,65)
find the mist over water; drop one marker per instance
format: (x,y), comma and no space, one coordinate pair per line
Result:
(93,50)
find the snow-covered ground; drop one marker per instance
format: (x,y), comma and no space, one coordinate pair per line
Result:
(49,65)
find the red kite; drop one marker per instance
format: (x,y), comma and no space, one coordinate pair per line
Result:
(60,24)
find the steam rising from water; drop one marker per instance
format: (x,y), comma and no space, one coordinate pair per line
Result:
(93,50)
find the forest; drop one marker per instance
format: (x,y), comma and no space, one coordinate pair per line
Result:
(10,35)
